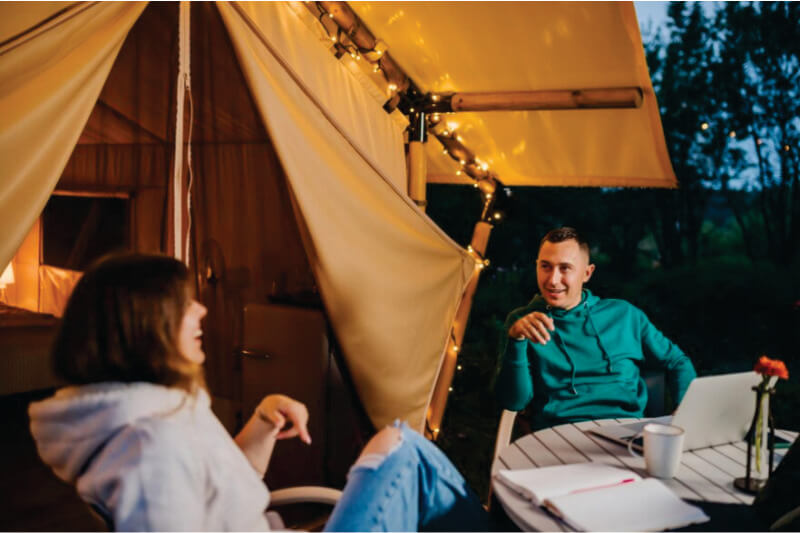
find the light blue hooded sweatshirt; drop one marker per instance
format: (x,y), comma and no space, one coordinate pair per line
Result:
(151,458)
(590,368)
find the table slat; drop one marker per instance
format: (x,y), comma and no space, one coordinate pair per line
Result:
(537,451)
(715,478)
(514,458)
(560,447)
(587,446)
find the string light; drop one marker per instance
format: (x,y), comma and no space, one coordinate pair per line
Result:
(435,97)
(484,167)
(376,68)
(759,141)
(456,348)
(459,367)
(392,87)
(786,147)
(732,135)
(445,152)
(436,117)
(450,389)
(704,126)
(333,38)
(497,216)
(462,162)
(458,172)
(330,15)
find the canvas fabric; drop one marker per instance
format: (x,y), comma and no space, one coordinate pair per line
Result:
(391,280)
(50,78)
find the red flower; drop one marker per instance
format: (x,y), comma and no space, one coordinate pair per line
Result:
(771,367)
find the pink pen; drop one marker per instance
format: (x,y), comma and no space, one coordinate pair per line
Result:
(628,480)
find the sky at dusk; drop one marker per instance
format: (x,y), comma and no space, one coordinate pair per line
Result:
(651,13)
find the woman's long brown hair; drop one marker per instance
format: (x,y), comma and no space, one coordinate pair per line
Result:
(122,321)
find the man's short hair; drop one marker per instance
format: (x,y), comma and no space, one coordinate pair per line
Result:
(564,234)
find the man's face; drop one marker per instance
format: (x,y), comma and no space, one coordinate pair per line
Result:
(561,270)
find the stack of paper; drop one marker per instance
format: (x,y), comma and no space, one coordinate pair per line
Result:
(597,497)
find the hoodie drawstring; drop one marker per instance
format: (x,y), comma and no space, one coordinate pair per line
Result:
(563,347)
(599,339)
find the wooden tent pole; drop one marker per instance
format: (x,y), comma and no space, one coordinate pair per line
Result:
(477,248)
(610,98)
(480,239)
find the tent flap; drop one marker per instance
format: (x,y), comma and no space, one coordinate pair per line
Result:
(50,80)
(389,277)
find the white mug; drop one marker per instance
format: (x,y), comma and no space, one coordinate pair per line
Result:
(663,446)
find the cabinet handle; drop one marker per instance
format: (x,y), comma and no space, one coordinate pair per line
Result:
(253,354)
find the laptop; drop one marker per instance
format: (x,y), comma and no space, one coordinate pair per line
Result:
(715,410)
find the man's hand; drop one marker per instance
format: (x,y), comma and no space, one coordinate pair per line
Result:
(533,326)
(278,409)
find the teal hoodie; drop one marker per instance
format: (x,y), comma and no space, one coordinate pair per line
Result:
(590,367)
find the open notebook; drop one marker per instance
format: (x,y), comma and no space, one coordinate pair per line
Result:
(598,497)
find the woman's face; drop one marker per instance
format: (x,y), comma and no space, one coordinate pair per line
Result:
(190,334)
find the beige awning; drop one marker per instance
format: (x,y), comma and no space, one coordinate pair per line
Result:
(525,46)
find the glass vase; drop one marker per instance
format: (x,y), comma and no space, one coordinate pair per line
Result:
(760,439)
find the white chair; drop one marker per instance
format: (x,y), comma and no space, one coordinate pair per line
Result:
(292,495)
(504,431)
(302,494)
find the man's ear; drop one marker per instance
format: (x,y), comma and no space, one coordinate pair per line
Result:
(589,272)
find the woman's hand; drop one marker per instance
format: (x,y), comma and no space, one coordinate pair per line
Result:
(278,409)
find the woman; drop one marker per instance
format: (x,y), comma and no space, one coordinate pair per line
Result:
(134,431)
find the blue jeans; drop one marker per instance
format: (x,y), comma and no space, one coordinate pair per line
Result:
(415,488)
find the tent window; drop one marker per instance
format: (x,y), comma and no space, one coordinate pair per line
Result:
(76,230)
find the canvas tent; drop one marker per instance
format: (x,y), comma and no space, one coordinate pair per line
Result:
(294,162)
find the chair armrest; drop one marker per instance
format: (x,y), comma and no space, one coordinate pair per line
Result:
(305,494)
(504,433)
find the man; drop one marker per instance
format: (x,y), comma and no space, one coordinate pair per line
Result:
(576,355)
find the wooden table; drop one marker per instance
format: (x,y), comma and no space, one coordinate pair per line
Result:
(704,475)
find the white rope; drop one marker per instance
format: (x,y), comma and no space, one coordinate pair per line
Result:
(183,83)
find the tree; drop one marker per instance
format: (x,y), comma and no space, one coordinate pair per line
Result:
(758,80)
(680,69)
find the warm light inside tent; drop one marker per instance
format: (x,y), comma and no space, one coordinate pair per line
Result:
(7,277)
